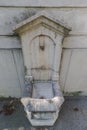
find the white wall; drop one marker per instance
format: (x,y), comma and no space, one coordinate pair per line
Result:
(73,73)
(11,72)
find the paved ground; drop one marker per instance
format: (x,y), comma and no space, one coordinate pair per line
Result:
(73,116)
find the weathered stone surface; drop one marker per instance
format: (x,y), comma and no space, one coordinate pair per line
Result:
(73,17)
(42,112)
(12,12)
(42,105)
(41,37)
(43,90)
(44,17)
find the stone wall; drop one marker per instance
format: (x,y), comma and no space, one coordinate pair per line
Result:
(73,70)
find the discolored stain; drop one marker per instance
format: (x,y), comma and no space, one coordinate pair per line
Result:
(76,109)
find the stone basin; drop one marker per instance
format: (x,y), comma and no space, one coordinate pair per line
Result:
(42,112)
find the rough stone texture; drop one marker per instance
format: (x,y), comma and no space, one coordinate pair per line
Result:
(73,115)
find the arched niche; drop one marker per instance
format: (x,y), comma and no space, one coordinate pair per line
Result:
(42,52)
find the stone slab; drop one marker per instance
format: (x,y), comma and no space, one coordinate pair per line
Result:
(9,42)
(45,3)
(76,77)
(75,42)
(11,73)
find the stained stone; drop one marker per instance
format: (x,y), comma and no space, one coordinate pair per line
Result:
(42,37)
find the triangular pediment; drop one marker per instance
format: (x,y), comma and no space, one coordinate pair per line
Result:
(43,19)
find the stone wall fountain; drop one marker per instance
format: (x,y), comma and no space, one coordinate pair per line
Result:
(41,38)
